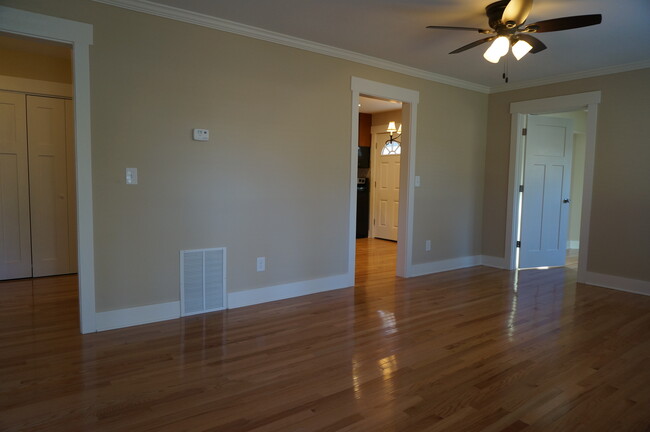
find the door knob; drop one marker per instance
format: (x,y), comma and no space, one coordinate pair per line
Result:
(566,200)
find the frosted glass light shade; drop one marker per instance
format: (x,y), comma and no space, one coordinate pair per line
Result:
(498,49)
(391,127)
(521,48)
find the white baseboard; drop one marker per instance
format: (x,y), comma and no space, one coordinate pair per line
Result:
(618,283)
(280,292)
(492,261)
(573,244)
(138,315)
(444,265)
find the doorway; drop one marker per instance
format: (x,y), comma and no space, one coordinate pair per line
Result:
(80,37)
(550,191)
(584,102)
(378,188)
(409,99)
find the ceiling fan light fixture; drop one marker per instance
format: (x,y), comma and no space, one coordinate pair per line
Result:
(521,48)
(498,49)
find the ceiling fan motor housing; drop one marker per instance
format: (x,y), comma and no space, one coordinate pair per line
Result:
(494,11)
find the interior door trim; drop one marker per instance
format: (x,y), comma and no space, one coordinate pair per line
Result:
(409,99)
(518,111)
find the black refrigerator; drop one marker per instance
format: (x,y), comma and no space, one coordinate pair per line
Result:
(363,207)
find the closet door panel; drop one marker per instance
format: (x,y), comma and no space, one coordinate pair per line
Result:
(72,184)
(15,248)
(48,186)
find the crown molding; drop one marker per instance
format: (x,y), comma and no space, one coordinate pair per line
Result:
(572,76)
(203,20)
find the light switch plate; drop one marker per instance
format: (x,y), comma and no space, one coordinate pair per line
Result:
(131,176)
(200,134)
(417,181)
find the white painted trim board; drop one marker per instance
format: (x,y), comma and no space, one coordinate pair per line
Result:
(128,317)
(239,299)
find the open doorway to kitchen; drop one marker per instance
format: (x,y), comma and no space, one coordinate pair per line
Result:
(401,150)
(378,192)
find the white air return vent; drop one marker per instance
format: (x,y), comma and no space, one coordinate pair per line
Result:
(203,280)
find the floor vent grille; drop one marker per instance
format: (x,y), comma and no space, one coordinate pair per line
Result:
(203,280)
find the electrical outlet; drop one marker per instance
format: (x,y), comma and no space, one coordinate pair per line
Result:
(427,246)
(261,264)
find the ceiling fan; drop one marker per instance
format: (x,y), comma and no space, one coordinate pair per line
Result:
(506,19)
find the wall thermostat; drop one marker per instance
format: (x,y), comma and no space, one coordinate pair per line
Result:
(200,134)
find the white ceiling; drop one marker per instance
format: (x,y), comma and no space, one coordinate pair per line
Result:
(395,30)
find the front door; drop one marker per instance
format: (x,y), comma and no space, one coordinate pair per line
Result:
(547,182)
(386,188)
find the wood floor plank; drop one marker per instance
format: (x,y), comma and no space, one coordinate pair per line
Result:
(477,349)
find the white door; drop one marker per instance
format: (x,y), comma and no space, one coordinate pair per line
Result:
(547,182)
(15,248)
(48,185)
(386,186)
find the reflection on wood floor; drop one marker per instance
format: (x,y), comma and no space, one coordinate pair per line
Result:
(476,349)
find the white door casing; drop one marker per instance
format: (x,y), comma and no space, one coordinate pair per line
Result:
(518,111)
(15,246)
(547,182)
(385,183)
(410,99)
(48,185)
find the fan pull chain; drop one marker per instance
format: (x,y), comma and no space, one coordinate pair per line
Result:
(505,71)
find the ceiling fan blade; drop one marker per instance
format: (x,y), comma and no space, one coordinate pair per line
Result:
(517,11)
(461,28)
(473,44)
(566,23)
(537,44)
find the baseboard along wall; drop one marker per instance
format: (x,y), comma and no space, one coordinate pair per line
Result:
(165,311)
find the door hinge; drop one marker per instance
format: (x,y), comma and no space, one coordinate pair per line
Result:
(518,244)
(524,131)
(521,188)
(374,222)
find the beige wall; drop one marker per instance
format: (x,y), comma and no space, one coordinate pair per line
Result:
(271,181)
(619,231)
(36,66)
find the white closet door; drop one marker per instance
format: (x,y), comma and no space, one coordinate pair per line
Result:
(48,186)
(15,251)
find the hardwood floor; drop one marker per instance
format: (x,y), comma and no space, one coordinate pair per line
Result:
(477,349)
